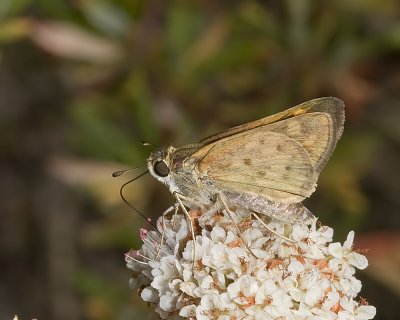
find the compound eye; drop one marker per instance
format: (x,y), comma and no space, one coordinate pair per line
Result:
(161,168)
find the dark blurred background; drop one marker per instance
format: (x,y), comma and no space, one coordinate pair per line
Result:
(83,81)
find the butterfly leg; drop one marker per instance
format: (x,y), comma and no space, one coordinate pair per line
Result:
(179,198)
(269,229)
(175,206)
(220,197)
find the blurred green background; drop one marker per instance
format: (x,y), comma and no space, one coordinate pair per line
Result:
(83,81)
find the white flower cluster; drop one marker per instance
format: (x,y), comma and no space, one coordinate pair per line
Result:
(255,275)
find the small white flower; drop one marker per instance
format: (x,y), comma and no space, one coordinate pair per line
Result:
(255,275)
(149,294)
(313,295)
(243,291)
(365,312)
(168,301)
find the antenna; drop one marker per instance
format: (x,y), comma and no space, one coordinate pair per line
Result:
(145,143)
(122,172)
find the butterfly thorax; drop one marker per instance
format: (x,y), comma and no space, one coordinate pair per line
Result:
(176,169)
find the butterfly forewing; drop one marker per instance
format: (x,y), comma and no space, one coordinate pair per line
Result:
(331,107)
(278,157)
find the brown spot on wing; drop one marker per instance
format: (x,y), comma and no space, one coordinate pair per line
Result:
(262,173)
(247,161)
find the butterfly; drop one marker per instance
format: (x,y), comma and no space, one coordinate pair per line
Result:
(268,166)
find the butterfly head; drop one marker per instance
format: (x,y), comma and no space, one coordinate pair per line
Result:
(159,164)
